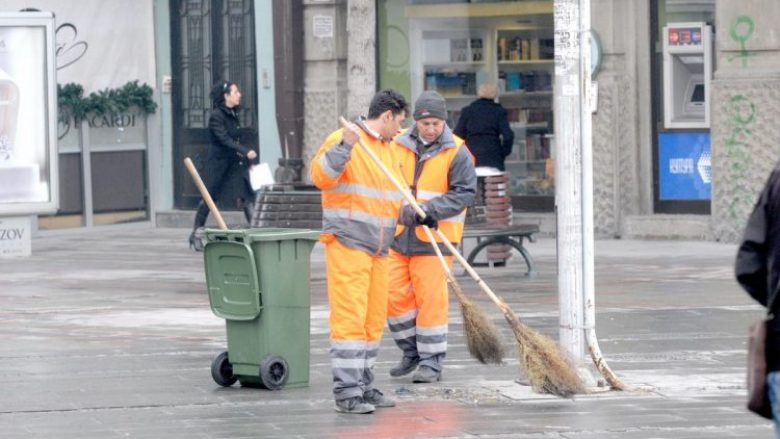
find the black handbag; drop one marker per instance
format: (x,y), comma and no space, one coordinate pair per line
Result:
(758,397)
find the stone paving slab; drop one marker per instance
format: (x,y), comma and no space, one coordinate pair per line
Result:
(108,333)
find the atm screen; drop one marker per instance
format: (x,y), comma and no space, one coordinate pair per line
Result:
(698,93)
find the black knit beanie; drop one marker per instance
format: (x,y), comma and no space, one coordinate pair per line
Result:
(430,104)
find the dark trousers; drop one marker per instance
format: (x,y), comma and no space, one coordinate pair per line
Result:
(218,173)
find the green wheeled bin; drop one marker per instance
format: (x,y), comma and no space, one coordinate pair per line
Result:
(258,281)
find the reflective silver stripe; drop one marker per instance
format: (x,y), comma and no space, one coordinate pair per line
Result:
(405,317)
(365,191)
(332,173)
(376,221)
(431,348)
(372,347)
(348,345)
(432,330)
(347,363)
(459,218)
(406,333)
(427,195)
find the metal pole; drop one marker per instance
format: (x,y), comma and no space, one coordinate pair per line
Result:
(586,121)
(588,254)
(568,175)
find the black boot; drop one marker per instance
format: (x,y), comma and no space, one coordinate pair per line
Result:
(196,241)
(406,366)
(249,210)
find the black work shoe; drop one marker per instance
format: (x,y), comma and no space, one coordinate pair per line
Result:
(378,399)
(406,366)
(425,374)
(356,405)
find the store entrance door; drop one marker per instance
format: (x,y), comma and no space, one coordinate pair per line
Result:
(212,40)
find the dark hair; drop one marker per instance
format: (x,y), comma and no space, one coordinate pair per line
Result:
(387,100)
(218,92)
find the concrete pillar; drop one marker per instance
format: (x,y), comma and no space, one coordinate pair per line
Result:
(325,61)
(361,55)
(617,146)
(745,102)
(340,65)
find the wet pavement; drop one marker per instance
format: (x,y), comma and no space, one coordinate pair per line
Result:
(109,334)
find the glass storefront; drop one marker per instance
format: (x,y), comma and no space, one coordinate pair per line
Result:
(454,47)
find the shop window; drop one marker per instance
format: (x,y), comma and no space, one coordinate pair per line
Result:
(453,47)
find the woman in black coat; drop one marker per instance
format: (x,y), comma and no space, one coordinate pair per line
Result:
(226,154)
(485,128)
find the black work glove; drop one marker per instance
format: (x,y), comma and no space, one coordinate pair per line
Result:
(409,218)
(427,221)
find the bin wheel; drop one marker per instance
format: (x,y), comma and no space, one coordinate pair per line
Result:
(222,370)
(274,372)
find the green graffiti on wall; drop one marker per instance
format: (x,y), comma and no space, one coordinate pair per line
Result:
(741,113)
(741,30)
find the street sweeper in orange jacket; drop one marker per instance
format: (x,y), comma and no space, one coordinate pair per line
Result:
(440,173)
(360,209)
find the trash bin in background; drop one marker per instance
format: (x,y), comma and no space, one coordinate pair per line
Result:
(258,281)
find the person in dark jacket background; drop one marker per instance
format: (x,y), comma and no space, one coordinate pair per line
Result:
(226,155)
(758,271)
(484,126)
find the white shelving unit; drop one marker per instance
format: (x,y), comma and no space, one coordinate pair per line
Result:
(455,55)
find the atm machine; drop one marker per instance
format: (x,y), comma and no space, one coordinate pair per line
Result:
(684,159)
(687,71)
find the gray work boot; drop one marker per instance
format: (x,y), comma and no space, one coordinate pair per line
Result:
(378,399)
(356,405)
(425,374)
(406,366)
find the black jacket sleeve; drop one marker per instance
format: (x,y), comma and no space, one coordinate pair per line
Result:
(460,128)
(507,135)
(218,128)
(751,267)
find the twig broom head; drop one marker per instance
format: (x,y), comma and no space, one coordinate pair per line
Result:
(482,336)
(547,368)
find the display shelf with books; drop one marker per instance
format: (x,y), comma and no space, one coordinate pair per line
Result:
(521,63)
(454,63)
(525,45)
(524,70)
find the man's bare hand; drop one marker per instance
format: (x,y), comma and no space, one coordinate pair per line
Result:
(351,133)
(251,155)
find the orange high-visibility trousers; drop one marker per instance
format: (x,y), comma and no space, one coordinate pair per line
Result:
(417,307)
(357,294)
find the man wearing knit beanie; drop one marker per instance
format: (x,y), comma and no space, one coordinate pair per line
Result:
(440,172)
(430,104)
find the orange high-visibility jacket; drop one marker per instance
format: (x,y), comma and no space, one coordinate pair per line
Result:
(360,206)
(443,181)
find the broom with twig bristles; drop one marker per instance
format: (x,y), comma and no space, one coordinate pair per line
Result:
(547,367)
(482,338)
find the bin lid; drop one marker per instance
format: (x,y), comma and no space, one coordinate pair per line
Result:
(261,234)
(231,277)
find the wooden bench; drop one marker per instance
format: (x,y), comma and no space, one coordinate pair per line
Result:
(510,235)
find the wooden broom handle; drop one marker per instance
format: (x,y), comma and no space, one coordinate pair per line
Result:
(410,199)
(205,193)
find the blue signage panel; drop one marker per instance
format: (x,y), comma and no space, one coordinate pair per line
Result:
(684,166)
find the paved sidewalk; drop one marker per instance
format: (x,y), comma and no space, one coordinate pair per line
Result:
(108,334)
